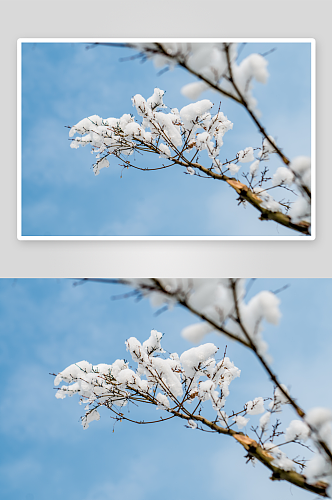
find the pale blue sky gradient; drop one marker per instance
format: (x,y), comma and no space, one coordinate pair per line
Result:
(47,324)
(64,82)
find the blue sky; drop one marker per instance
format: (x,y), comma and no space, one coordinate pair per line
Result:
(63,83)
(47,324)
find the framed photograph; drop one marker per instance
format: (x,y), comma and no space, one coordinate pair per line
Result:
(166,139)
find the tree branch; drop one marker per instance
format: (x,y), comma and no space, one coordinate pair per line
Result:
(240,99)
(273,376)
(257,451)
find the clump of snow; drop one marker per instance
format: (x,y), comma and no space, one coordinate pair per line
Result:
(103,163)
(297,429)
(128,377)
(283,176)
(133,129)
(152,345)
(140,104)
(319,420)
(86,124)
(240,421)
(264,421)
(255,66)
(254,167)
(163,401)
(300,210)
(194,112)
(193,90)
(73,372)
(255,407)
(267,148)
(318,417)
(279,398)
(165,152)
(280,458)
(197,356)
(156,100)
(268,201)
(263,306)
(90,417)
(246,155)
(203,141)
(234,168)
(196,332)
(319,469)
(300,164)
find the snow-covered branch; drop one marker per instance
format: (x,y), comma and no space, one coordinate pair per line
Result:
(222,306)
(216,67)
(180,386)
(180,136)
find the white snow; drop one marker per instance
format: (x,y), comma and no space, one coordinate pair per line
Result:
(240,421)
(197,356)
(90,417)
(255,407)
(196,332)
(300,210)
(264,421)
(254,167)
(283,176)
(246,155)
(297,429)
(192,113)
